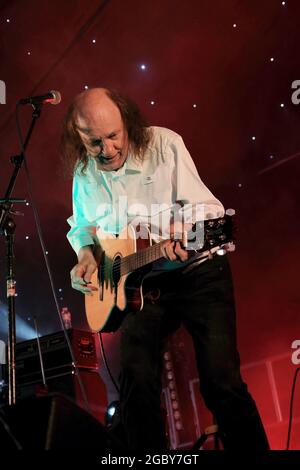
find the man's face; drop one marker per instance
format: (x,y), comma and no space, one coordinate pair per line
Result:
(103,133)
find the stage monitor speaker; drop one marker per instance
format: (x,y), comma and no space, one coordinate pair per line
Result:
(53,422)
(68,385)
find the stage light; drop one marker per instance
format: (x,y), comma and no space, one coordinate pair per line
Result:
(171,385)
(167,356)
(112,413)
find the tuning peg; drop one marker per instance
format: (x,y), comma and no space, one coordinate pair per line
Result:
(230,212)
(230,246)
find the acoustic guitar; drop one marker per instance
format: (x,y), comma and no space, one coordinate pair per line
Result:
(125,260)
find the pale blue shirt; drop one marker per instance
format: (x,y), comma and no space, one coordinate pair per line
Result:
(112,199)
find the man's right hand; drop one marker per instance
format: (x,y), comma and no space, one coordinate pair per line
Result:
(82,272)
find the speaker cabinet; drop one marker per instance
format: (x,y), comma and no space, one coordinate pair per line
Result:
(68,385)
(53,422)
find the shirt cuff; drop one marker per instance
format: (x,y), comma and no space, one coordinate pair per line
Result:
(79,240)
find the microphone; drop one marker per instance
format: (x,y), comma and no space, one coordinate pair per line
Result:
(53,97)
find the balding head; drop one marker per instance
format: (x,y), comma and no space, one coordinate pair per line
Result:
(97,110)
(101,128)
(94,105)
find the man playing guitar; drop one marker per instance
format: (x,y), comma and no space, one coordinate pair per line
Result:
(128,180)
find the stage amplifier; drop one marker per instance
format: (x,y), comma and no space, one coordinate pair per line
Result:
(55,354)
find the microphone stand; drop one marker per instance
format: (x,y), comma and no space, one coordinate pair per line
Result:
(7,228)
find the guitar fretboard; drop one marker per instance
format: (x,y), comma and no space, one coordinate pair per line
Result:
(217,232)
(141,258)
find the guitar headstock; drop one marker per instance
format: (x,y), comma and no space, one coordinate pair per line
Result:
(212,233)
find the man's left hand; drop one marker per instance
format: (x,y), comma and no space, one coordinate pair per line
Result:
(173,249)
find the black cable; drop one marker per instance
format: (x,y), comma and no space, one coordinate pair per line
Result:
(10,433)
(291,409)
(106,364)
(42,243)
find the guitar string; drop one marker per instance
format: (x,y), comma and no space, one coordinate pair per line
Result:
(127,261)
(127,264)
(141,257)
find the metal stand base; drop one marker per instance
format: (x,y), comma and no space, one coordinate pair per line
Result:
(212,430)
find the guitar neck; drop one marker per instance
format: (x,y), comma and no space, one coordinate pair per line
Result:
(215,232)
(141,258)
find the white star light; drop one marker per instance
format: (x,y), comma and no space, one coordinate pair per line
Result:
(143,67)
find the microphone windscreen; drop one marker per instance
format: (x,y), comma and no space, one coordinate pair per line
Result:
(56,97)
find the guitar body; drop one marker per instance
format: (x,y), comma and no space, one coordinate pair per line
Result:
(117,292)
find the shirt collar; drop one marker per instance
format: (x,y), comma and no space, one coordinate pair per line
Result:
(131,166)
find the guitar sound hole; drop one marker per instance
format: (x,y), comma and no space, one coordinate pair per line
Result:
(116,271)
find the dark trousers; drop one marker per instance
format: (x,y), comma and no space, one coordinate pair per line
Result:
(202,299)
